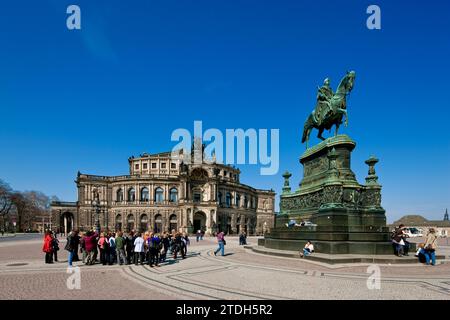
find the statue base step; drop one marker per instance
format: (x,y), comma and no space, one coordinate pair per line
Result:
(339,259)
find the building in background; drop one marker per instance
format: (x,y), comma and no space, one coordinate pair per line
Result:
(415,221)
(162,193)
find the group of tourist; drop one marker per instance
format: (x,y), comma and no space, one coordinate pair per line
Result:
(426,252)
(110,248)
(118,248)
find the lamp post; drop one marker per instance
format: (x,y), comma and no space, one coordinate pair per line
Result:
(96,204)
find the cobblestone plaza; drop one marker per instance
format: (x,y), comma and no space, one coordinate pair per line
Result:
(240,274)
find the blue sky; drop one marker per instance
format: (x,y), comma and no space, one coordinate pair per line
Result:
(88,99)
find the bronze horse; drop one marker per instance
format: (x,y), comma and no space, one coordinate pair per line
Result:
(336,111)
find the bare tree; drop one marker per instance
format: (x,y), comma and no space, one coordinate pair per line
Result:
(23,206)
(5,202)
(26,206)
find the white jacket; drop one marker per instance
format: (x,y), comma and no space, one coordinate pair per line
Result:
(139,244)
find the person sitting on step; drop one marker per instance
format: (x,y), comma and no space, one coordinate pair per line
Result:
(307,250)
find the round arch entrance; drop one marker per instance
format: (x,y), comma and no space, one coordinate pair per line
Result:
(199,221)
(66,222)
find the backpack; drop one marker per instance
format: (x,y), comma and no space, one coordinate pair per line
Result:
(393,234)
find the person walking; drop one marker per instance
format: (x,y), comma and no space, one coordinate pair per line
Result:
(221,241)
(430,247)
(198,235)
(48,248)
(71,245)
(120,249)
(55,245)
(139,253)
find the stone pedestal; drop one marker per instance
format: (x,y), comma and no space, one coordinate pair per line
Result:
(347,216)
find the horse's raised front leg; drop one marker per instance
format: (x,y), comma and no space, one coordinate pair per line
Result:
(319,135)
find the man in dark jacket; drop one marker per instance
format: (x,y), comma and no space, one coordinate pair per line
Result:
(72,245)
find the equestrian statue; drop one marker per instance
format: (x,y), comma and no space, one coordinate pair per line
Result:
(330,108)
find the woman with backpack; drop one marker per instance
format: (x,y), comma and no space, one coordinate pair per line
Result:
(430,247)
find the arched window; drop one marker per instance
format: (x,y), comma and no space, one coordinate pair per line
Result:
(238,200)
(173,195)
(144,223)
(159,195)
(119,195)
(245,202)
(131,194)
(144,194)
(228,200)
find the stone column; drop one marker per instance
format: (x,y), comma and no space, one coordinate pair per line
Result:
(233,223)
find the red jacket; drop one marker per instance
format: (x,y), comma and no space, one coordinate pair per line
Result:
(48,248)
(90,243)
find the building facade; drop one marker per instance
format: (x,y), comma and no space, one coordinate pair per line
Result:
(162,193)
(442,227)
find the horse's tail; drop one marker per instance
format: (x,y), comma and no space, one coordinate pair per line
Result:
(306,128)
